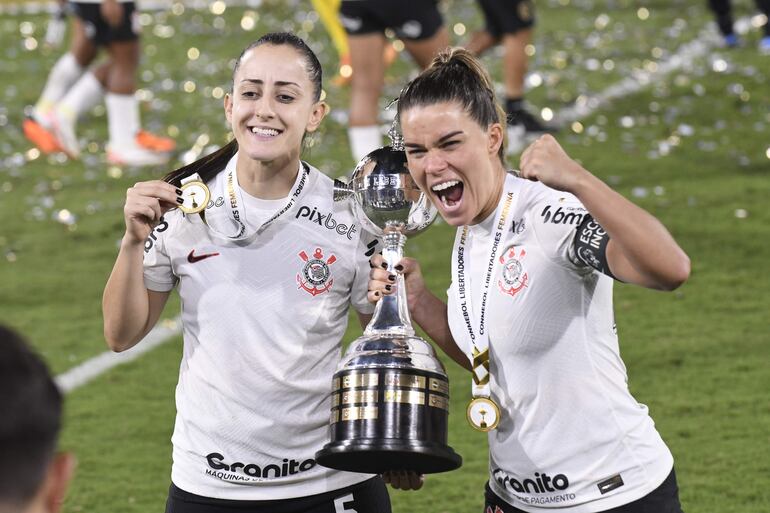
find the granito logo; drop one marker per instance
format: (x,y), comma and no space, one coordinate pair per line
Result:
(563,215)
(150,241)
(239,471)
(542,483)
(326,220)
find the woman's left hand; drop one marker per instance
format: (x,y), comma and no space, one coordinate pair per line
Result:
(546,161)
(404,479)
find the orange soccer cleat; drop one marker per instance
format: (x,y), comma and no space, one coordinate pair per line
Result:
(40,136)
(154,142)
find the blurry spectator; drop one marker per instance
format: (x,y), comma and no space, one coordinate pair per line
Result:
(72,90)
(417,23)
(724,15)
(33,477)
(510,23)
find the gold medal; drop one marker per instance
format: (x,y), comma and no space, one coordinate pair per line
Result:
(483,414)
(195,195)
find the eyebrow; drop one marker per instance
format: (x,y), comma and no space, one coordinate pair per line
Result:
(442,139)
(277,82)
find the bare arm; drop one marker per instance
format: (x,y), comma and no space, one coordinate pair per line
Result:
(640,250)
(130,310)
(427,310)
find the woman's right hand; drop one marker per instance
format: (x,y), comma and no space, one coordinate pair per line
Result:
(146,202)
(383,283)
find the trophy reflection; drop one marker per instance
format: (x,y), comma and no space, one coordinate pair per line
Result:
(390,394)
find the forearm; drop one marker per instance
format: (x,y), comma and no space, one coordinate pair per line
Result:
(641,250)
(430,313)
(125,303)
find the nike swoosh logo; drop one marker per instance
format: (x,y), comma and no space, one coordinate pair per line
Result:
(192,257)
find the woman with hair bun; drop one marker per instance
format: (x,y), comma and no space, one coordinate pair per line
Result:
(529,307)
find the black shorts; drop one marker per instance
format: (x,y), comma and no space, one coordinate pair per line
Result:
(409,19)
(99,31)
(371,496)
(507,16)
(663,499)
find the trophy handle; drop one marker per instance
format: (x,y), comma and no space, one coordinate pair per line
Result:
(391,315)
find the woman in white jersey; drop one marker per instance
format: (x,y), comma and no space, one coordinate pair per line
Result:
(530,304)
(266,273)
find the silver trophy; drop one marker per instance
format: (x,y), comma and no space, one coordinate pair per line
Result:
(390,394)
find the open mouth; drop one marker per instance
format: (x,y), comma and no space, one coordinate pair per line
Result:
(264,131)
(449,193)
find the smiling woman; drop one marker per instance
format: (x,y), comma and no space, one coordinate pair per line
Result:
(252,399)
(530,303)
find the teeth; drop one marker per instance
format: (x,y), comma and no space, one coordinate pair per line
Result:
(264,131)
(444,185)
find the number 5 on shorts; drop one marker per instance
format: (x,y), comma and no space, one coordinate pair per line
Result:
(339,504)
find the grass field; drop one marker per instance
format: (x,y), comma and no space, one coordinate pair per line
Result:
(692,147)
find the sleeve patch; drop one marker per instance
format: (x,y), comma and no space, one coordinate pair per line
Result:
(591,245)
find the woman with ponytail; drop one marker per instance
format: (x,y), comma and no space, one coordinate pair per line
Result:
(266,272)
(529,307)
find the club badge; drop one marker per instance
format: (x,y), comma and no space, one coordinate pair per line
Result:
(513,276)
(315,277)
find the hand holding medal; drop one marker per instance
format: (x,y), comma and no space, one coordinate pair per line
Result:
(146,202)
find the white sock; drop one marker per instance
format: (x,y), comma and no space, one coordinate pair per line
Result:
(81,98)
(364,139)
(64,73)
(123,119)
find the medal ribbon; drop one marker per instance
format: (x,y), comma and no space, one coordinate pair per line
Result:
(478,338)
(235,198)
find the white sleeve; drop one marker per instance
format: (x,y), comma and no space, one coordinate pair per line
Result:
(367,246)
(158,274)
(555,219)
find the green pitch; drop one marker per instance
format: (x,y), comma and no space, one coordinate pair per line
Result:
(692,148)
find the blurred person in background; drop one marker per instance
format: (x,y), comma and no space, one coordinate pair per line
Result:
(510,23)
(418,23)
(33,476)
(73,89)
(723,10)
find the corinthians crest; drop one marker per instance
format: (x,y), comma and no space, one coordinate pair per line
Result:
(513,276)
(315,277)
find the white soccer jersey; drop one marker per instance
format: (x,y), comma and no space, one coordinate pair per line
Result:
(262,328)
(571,436)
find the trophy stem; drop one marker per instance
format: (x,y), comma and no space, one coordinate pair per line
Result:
(391,315)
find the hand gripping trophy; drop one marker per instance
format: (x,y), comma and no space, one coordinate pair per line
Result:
(390,394)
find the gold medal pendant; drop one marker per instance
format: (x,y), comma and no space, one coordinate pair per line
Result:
(196,197)
(483,414)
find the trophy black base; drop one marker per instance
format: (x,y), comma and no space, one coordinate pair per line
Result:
(378,456)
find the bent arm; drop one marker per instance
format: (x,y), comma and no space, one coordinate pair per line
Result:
(430,313)
(130,310)
(640,249)
(427,310)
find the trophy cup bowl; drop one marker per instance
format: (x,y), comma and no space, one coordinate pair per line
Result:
(390,393)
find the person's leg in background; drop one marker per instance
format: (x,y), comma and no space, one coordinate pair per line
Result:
(70,67)
(365,90)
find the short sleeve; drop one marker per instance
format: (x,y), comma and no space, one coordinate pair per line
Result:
(367,246)
(556,219)
(158,274)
